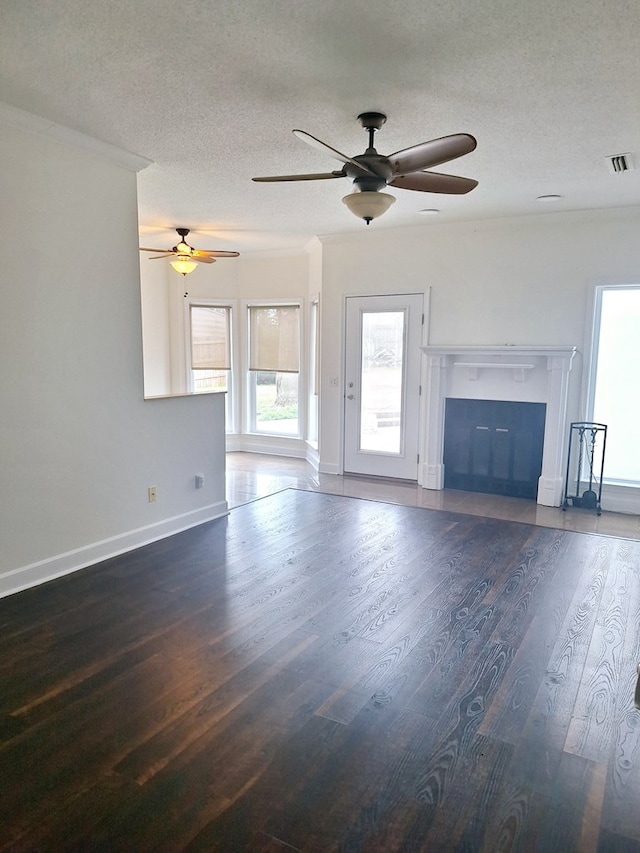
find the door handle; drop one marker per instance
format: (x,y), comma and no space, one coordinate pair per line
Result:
(350,397)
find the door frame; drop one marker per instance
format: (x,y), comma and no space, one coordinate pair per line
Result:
(426,296)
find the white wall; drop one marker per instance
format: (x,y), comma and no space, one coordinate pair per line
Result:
(273,276)
(522,281)
(156,339)
(79,444)
(239,280)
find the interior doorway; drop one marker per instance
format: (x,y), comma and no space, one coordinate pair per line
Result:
(382,385)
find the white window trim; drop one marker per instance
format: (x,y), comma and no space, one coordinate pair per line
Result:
(591,346)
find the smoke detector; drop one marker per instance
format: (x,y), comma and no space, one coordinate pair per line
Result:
(620,163)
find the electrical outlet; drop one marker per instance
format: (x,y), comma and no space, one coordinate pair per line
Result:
(152,494)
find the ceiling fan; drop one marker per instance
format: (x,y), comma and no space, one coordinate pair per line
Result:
(186,258)
(371,172)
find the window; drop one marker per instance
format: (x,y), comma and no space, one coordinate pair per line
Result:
(210,350)
(274,365)
(614,394)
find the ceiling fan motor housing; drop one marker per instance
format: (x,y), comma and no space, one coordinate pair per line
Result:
(372,121)
(378,171)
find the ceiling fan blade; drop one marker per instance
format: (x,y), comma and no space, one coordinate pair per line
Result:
(434,182)
(319,145)
(201,259)
(199,254)
(432,153)
(164,251)
(162,257)
(320,176)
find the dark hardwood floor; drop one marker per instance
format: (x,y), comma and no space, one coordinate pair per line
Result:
(323,673)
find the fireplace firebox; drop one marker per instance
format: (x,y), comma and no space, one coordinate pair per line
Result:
(493,446)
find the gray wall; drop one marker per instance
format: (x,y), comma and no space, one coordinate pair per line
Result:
(79,444)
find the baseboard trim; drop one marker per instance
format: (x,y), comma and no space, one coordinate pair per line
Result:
(328,468)
(624,499)
(268,444)
(313,458)
(38,573)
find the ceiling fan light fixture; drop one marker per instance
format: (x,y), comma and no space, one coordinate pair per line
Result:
(185,258)
(368,205)
(183,264)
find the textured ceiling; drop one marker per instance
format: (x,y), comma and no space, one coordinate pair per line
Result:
(210,91)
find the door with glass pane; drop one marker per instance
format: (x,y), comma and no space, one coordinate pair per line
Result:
(382,385)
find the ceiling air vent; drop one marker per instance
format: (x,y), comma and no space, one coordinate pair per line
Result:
(620,163)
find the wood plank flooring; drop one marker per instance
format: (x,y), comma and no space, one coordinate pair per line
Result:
(323,673)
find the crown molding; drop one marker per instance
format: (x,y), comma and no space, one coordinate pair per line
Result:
(31,123)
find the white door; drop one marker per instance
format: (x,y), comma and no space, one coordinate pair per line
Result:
(382,385)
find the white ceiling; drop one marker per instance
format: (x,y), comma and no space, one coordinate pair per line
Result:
(210,91)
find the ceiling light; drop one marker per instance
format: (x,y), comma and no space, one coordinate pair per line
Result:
(183,264)
(368,205)
(429,211)
(549,198)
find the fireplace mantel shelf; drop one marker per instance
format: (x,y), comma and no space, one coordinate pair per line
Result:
(500,351)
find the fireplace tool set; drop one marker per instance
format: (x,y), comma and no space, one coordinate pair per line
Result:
(587,444)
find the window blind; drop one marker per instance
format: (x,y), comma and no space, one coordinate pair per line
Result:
(274,338)
(210,337)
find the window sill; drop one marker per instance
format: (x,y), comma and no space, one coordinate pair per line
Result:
(184,394)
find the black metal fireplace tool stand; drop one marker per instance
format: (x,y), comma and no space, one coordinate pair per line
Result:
(587,444)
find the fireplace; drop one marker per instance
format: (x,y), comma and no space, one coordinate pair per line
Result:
(533,374)
(493,446)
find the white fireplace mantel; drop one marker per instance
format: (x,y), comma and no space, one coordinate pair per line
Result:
(522,373)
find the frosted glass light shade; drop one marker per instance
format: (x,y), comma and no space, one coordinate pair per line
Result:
(183,264)
(368,205)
